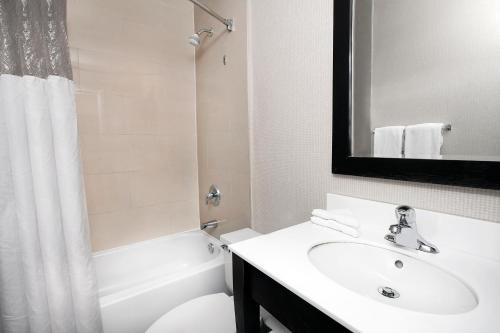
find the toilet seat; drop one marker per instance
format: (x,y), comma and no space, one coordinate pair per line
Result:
(208,314)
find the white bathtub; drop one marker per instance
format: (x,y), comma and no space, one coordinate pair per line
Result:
(138,283)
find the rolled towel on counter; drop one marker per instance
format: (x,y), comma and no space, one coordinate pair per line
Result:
(342,216)
(335,226)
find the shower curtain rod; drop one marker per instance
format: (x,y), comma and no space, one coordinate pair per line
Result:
(229,23)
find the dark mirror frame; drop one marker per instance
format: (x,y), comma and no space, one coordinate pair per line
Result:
(449,172)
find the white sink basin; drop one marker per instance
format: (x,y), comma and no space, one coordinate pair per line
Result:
(393,278)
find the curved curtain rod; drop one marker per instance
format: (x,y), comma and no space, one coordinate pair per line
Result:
(229,23)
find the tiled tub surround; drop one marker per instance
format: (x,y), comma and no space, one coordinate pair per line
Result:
(135,76)
(222,114)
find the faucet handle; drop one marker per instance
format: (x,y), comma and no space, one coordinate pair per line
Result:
(395,229)
(406,215)
(214,196)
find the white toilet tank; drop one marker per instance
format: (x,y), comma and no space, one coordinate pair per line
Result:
(231,238)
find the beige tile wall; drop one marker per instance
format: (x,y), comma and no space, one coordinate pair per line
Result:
(222,109)
(135,76)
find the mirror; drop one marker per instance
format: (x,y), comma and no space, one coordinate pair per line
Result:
(425,79)
(416,90)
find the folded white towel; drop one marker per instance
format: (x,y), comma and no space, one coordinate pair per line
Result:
(388,142)
(272,322)
(342,216)
(335,226)
(424,141)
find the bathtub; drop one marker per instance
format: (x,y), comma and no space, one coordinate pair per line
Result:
(139,283)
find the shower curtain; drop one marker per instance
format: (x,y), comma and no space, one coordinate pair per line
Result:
(47,281)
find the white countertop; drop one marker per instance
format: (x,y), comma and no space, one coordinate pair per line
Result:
(283,256)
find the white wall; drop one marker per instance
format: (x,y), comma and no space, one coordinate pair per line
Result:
(291,125)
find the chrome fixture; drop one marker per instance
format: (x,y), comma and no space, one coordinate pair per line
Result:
(211,248)
(195,39)
(388,292)
(229,23)
(405,232)
(212,224)
(399,264)
(214,196)
(446,128)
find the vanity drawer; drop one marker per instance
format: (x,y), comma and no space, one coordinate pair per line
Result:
(252,289)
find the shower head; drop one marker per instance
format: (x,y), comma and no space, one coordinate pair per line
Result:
(195,39)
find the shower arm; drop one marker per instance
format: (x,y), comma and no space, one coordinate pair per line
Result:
(229,23)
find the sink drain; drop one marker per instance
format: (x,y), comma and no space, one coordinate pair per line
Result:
(388,292)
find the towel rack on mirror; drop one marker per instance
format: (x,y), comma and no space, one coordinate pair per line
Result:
(446,128)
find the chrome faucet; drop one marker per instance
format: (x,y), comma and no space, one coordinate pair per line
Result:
(212,224)
(405,232)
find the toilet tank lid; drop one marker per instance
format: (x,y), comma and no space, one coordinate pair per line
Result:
(238,236)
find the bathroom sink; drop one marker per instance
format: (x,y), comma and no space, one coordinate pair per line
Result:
(393,278)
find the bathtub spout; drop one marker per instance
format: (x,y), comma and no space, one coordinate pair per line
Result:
(212,224)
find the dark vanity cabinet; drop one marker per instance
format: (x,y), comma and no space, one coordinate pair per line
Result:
(253,289)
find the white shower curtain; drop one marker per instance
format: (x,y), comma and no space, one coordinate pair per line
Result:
(47,281)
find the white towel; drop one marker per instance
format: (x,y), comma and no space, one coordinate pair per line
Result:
(335,226)
(342,216)
(272,322)
(388,142)
(424,141)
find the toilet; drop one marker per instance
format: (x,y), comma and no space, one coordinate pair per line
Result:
(212,313)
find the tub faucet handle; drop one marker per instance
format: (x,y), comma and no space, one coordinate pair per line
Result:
(214,196)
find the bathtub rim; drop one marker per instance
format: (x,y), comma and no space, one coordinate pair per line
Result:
(161,281)
(119,248)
